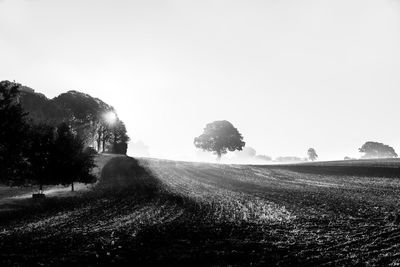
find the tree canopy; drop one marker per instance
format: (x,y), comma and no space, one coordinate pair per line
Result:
(377,150)
(37,152)
(312,154)
(219,137)
(82,112)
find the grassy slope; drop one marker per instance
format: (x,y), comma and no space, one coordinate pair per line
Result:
(212,214)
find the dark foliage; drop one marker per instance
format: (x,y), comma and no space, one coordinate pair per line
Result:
(71,161)
(219,137)
(119,143)
(82,112)
(41,154)
(13,135)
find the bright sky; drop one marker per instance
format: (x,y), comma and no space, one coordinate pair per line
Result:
(288,74)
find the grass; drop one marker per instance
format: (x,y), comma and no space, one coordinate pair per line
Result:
(179,213)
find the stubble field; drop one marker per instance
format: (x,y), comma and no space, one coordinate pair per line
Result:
(166,212)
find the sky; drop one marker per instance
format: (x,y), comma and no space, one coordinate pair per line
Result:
(287,74)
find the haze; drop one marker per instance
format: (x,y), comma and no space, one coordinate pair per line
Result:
(288,74)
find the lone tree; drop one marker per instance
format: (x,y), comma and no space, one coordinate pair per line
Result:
(312,155)
(219,137)
(377,150)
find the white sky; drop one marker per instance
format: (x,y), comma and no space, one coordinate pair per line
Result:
(288,74)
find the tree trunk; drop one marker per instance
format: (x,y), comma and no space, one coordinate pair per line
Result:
(72,187)
(115,141)
(98,140)
(219,156)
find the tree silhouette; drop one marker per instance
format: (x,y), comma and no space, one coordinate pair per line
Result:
(119,140)
(377,150)
(58,156)
(41,155)
(39,151)
(219,137)
(83,113)
(71,161)
(312,154)
(13,136)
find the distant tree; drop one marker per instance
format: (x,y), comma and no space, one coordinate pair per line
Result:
(71,161)
(219,137)
(312,155)
(377,150)
(13,136)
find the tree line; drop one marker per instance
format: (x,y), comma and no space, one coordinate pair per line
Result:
(38,152)
(87,116)
(220,137)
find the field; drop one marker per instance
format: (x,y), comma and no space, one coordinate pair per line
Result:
(150,211)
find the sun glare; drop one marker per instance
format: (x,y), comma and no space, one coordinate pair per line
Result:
(110,117)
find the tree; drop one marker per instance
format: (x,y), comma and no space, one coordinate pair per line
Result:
(58,156)
(377,150)
(312,155)
(41,155)
(71,161)
(85,115)
(13,135)
(119,143)
(219,137)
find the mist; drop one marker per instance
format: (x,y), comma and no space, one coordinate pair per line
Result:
(289,76)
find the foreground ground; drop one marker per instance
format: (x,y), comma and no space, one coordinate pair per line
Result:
(167,212)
